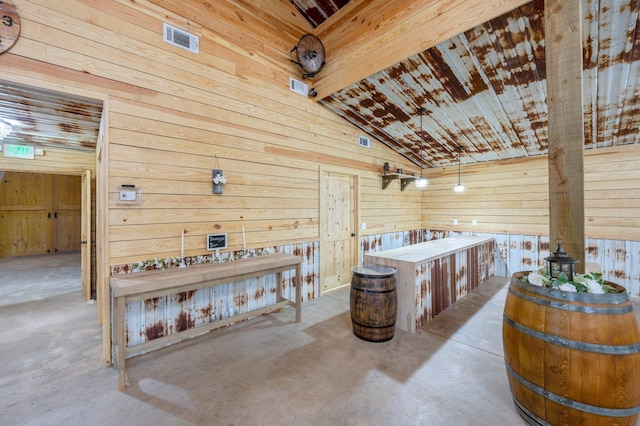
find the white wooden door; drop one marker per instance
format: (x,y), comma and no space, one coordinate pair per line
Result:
(338,240)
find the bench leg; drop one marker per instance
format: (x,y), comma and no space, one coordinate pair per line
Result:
(298,293)
(120,339)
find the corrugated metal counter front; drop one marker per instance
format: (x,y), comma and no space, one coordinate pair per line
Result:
(433,275)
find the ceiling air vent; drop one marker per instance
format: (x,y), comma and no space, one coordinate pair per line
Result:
(180,38)
(364,142)
(298,87)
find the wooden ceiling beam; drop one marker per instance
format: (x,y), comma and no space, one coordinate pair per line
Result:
(367,36)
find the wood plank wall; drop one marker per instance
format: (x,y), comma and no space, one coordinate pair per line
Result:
(54,160)
(174,116)
(512,197)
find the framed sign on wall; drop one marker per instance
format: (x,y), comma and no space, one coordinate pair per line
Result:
(216,241)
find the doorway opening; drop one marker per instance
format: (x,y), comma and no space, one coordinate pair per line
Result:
(46,202)
(42,216)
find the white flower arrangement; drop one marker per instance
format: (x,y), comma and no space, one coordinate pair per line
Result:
(582,283)
(219,179)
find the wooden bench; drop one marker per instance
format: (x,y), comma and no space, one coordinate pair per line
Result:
(151,284)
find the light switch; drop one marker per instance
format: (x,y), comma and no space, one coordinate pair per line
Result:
(128,195)
(455,221)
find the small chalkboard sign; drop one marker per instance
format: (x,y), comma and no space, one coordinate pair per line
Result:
(216,241)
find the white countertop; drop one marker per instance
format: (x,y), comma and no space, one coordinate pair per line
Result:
(430,250)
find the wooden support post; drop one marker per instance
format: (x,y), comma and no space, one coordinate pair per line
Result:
(563,29)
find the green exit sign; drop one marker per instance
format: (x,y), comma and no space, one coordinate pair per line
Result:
(19,151)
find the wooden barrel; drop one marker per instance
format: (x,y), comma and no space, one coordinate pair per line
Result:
(571,358)
(374,302)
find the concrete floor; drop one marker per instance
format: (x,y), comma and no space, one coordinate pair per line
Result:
(267,371)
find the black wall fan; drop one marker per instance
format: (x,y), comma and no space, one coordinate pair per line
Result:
(309,55)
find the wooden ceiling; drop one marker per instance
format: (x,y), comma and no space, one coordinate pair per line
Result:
(485,88)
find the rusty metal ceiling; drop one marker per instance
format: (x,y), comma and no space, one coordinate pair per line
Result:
(317,11)
(45,119)
(485,89)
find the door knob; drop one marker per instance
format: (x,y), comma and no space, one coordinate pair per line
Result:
(353,234)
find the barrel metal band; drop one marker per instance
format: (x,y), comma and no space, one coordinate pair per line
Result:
(571,307)
(373,326)
(528,415)
(369,291)
(574,344)
(581,406)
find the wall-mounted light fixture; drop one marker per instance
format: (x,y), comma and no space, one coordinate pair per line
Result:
(218,181)
(459,187)
(218,178)
(421,182)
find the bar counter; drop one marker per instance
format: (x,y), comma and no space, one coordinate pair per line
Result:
(433,275)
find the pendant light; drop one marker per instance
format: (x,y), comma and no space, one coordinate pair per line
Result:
(459,187)
(421,182)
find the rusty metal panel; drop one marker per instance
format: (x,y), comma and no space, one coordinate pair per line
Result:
(149,319)
(424,294)
(310,253)
(632,282)
(317,11)
(611,72)
(463,281)
(441,282)
(485,89)
(618,261)
(222,302)
(44,118)
(154,318)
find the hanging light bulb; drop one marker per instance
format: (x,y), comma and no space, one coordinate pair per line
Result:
(421,182)
(5,128)
(459,187)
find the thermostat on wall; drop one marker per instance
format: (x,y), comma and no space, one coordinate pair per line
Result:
(128,195)
(216,241)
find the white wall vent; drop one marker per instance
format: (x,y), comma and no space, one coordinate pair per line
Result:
(298,87)
(364,141)
(180,38)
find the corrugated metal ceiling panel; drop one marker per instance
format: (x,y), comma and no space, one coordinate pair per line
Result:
(317,11)
(44,119)
(485,89)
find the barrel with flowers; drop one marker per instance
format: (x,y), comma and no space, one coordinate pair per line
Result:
(572,350)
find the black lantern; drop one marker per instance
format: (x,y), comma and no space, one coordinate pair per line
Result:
(560,261)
